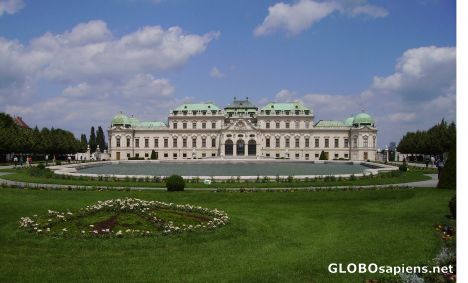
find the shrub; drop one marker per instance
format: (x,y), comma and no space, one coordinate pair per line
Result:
(153,155)
(403,167)
(175,183)
(448,175)
(352,177)
(41,166)
(453,207)
(323,155)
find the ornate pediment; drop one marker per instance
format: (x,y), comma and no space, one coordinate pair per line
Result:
(241,125)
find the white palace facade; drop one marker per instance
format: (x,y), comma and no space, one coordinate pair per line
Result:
(242,130)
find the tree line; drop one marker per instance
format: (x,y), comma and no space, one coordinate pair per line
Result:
(437,140)
(14,139)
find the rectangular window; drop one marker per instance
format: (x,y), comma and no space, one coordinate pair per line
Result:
(297,125)
(156,143)
(267,155)
(327,143)
(174,125)
(166,142)
(277,125)
(194,142)
(146,155)
(336,155)
(146,142)
(203,142)
(194,125)
(337,143)
(203,155)
(137,155)
(317,143)
(203,125)
(174,155)
(287,142)
(174,142)
(184,125)
(297,142)
(277,142)
(307,142)
(297,155)
(307,156)
(117,142)
(267,142)
(184,155)
(166,155)
(213,125)
(316,155)
(277,155)
(128,142)
(287,125)
(267,125)
(137,142)
(184,142)
(346,155)
(346,143)
(213,142)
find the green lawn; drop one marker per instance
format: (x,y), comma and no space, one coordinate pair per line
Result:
(381,179)
(272,237)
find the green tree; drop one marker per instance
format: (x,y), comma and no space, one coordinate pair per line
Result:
(323,155)
(92,140)
(448,176)
(100,139)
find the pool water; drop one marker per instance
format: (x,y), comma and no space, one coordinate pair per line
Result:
(226,169)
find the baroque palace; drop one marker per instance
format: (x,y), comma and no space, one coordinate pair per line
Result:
(242,130)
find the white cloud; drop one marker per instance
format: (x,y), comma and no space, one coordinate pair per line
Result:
(420,74)
(294,18)
(145,86)
(298,17)
(10,6)
(102,73)
(216,73)
(285,95)
(401,117)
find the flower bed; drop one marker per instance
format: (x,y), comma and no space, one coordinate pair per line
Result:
(128,217)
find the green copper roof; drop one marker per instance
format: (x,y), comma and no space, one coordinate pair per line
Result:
(152,124)
(330,124)
(349,121)
(235,104)
(289,106)
(133,121)
(363,118)
(120,119)
(197,107)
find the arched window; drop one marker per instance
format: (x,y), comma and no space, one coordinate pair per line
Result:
(366,141)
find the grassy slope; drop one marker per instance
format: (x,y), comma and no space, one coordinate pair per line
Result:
(290,237)
(410,176)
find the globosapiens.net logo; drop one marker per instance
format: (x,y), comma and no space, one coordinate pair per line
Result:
(373,268)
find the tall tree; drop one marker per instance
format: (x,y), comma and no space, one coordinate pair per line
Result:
(92,140)
(100,139)
(83,143)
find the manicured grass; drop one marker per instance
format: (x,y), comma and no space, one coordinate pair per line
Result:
(272,237)
(381,179)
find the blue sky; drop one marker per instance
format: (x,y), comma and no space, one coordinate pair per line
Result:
(73,64)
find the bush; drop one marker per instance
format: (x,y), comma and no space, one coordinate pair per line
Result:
(448,175)
(453,207)
(175,183)
(41,166)
(323,155)
(403,167)
(153,155)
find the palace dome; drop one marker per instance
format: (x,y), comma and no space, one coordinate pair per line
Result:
(120,119)
(363,119)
